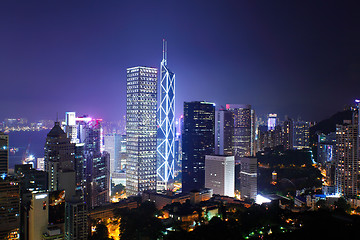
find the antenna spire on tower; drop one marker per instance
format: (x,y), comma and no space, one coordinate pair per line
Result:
(164,51)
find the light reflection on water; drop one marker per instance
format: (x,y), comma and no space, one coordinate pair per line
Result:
(33,140)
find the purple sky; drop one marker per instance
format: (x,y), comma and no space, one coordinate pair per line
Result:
(300,58)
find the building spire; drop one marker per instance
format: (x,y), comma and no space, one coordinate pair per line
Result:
(164,51)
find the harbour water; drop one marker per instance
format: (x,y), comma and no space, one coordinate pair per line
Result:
(27,143)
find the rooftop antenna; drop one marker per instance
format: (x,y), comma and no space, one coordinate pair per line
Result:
(164,51)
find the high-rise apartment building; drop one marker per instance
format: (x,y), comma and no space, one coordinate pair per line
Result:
(288,134)
(244,130)
(166,122)
(92,163)
(224,132)
(248,177)
(76,220)
(9,207)
(220,174)
(38,215)
(347,164)
(198,140)
(301,134)
(272,121)
(59,161)
(111,148)
(4,153)
(141,129)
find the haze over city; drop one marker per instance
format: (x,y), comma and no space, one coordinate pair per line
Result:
(293,58)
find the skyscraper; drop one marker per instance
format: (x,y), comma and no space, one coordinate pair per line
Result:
(244,129)
(301,134)
(9,207)
(248,177)
(220,174)
(347,157)
(4,153)
(141,103)
(198,140)
(288,134)
(59,161)
(224,132)
(76,222)
(272,121)
(92,164)
(166,123)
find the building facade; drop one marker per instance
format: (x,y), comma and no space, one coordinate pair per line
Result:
(224,132)
(198,140)
(347,164)
(166,122)
(220,174)
(141,129)
(244,130)
(4,153)
(301,134)
(248,178)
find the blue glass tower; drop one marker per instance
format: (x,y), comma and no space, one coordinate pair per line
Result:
(166,124)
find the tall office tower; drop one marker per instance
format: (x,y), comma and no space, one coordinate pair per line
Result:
(91,162)
(288,134)
(271,138)
(248,177)
(76,222)
(301,135)
(31,180)
(121,152)
(178,146)
(166,122)
(244,130)
(220,174)
(38,215)
(224,132)
(115,145)
(109,145)
(100,182)
(198,140)
(347,157)
(70,126)
(4,153)
(326,148)
(79,166)
(272,121)
(141,101)
(9,207)
(59,161)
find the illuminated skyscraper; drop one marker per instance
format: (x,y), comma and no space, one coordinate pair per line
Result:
(301,134)
(220,174)
(166,123)
(92,163)
(347,157)
(198,140)
(141,103)
(9,207)
(4,153)
(272,121)
(248,177)
(244,130)
(59,161)
(288,134)
(224,132)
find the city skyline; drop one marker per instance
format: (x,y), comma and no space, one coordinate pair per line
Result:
(222,52)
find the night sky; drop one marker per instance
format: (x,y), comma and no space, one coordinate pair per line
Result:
(296,58)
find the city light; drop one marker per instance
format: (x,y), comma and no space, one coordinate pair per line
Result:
(260,199)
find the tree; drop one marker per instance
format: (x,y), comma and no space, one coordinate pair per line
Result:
(140,223)
(101,233)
